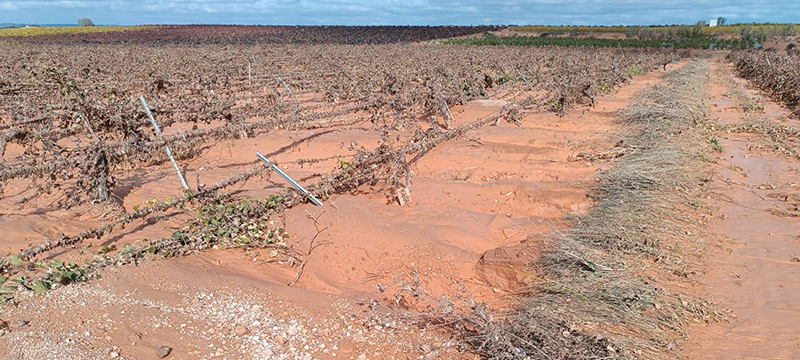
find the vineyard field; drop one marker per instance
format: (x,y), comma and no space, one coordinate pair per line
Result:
(239,34)
(435,164)
(774,72)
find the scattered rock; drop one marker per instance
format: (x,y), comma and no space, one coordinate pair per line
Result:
(164,351)
(359,338)
(241,330)
(21,323)
(280,340)
(362,357)
(292,331)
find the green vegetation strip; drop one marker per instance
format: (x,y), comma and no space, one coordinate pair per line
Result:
(769,29)
(679,43)
(35,31)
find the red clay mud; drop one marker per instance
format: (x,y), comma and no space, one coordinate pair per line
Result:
(477,205)
(754,269)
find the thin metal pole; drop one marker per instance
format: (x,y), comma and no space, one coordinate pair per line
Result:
(525,80)
(161,137)
(289,179)
(286,85)
(289,89)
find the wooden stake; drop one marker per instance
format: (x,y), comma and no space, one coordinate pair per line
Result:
(100,165)
(249,74)
(448,116)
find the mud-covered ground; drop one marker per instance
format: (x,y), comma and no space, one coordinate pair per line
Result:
(755,194)
(477,206)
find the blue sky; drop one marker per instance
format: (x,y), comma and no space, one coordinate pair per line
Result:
(395,12)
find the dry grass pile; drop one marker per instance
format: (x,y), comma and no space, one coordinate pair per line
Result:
(599,292)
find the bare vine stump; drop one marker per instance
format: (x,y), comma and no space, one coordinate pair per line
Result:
(101,171)
(403,196)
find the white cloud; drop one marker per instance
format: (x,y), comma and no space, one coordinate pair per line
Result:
(8,5)
(400,12)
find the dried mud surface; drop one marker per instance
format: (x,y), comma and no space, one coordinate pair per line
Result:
(754,268)
(477,205)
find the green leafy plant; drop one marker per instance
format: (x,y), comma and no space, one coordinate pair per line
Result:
(556,104)
(107,249)
(231,223)
(716,144)
(634,70)
(58,273)
(273,200)
(344,164)
(505,78)
(15,260)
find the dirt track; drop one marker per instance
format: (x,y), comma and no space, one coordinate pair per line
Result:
(754,268)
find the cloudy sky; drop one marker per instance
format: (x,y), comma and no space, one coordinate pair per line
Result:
(396,12)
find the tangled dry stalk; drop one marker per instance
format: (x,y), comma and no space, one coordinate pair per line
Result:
(385,164)
(781,137)
(775,73)
(52,96)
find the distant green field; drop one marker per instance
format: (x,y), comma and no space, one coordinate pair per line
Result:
(677,43)
(34,31)
(768,29)
(553,28)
